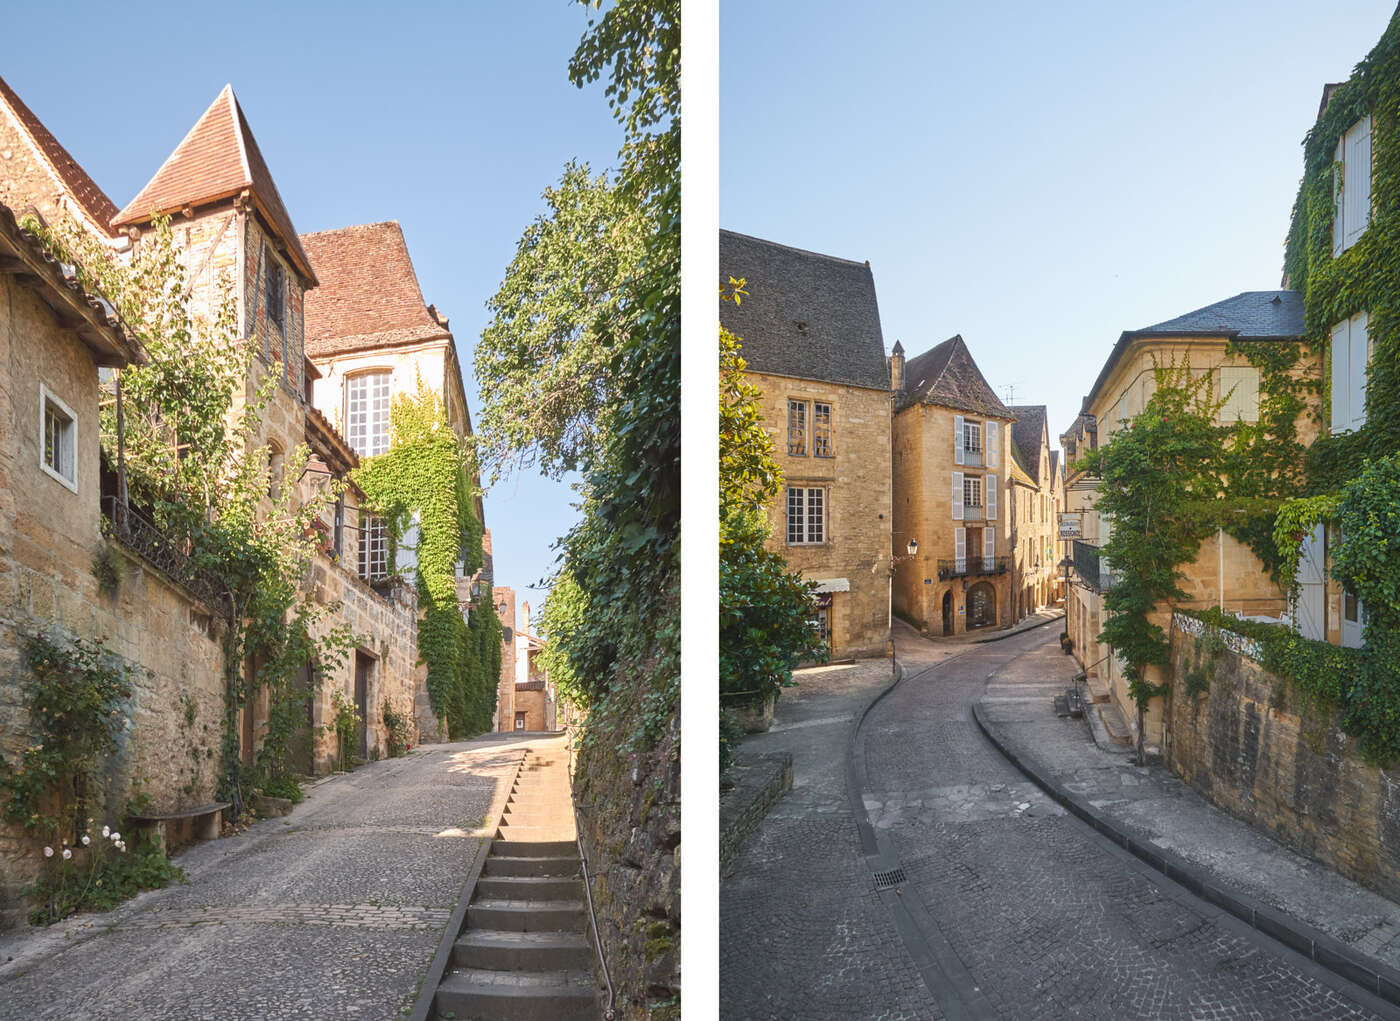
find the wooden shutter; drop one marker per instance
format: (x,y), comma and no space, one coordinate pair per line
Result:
(958,445)
(1357,351)
(957,496)
(1338,197)
(989,548)
(1356,191)
(992,445)
(989,498)
(1340,383)
(960,549)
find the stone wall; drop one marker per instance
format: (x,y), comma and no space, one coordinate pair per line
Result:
(630,828)
(50,535)
(1256,750)
(857,484)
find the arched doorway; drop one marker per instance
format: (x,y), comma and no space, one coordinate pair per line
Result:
(981,605)
(948,612)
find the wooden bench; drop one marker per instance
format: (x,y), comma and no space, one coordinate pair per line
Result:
(205,823)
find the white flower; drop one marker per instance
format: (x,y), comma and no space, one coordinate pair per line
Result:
(86,840)
(67,854)
(106,832)
(116,836)
(121,846)
(48,852)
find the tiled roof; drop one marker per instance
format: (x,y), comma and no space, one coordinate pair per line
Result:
(1026,433)
(94,201)
(218,159)
(947,376)
(369,295)
(806,315)
(1250,315)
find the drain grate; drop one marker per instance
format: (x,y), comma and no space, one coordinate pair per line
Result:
(886,880)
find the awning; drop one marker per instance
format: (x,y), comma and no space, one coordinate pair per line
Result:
(832,584)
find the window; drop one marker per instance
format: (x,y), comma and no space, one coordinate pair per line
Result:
(1351,352)
(972,437)
(374,549)
(275,297)
(972,491)
(367,413)
(797,428)
(1352,186)
(806,524)
(338,537)
(821,430)
(58,432)
(821,617)
(519,721)
(1239,388)
(274,471)
(975,443)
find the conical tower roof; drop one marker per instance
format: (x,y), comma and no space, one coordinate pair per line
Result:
(218,159)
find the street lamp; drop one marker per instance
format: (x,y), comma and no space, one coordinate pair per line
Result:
(913,547)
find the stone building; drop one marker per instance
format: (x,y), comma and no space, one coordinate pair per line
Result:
(230,219)
(1226,572)
(810,333)
(1034,510)
(503,597)
(952,454)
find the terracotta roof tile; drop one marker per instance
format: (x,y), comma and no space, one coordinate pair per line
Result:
(84,190)
(218,159)
(369,294)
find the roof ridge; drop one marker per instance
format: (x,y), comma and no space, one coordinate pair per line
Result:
(240,129)
(353,226)
(794,248)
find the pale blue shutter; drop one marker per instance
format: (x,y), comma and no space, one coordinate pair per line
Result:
(958,440)
(993,444)
(960,549)
(1357,355)
(1356,192)
(1338,197)
(990,499)
(989,549)
(1340,379)
(957,496)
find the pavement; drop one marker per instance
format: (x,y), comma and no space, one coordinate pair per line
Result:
(953,886)
(1164,815)
(333,911)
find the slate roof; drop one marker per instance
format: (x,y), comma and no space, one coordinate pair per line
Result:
(217,159)
(369,295)
(946,375)
(1027,432)
(1250,315)
(1054,463)
(808,316)
(94,201)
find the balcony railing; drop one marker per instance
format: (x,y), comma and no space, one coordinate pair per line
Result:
(1091,567)
(169,556)
(971,513)
(972,567)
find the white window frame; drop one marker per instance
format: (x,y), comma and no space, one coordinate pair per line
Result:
(1239,387)
(810,523)
(820,439)
(973,491)
(373,549)
(69,449)
(369,441)
(1352,186)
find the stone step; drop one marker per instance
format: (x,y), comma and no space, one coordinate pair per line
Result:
(523,951)
(517,995)
(1098,690)
(535,848)
(1118,730)
(529,887)
(510,865)
(527,915)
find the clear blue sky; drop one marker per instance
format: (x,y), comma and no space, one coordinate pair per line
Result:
(450,118)
(1037,177)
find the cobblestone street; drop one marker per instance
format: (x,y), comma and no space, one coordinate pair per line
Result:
(1009,907)
(333,911)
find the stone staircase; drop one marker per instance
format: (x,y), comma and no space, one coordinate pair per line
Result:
(526,953)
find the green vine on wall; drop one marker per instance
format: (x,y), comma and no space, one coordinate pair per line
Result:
(424,479)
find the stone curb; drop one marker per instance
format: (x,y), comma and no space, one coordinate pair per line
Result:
(1013,632)
(751,800)
(1317,946)
(423,1009)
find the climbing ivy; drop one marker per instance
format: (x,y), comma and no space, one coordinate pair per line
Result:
(423,480)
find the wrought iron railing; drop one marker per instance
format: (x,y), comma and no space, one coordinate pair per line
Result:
(972,567)
(169,556)
(1091,566)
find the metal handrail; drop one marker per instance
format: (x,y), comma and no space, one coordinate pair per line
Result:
(166,554)
(972,566)
(610,1013)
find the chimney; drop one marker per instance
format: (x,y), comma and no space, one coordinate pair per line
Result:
(896,360)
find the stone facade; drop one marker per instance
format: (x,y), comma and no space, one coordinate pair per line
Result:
(930,590)
(1258,751)
(505,689)
(852,562)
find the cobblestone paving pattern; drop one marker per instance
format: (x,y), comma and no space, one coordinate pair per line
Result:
(334,911)
(1049,920)
(802,931)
